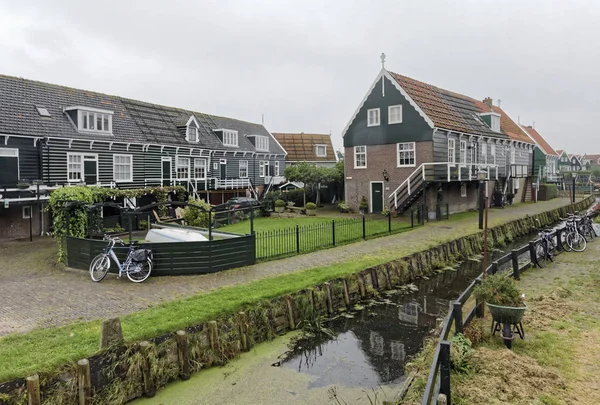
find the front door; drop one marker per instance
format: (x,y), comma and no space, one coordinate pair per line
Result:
(9,167)
(90,169)
(166,171)
(377,197)
(223,169)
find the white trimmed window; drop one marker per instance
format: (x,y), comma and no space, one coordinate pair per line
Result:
(463,152)
(192,134)
(463,190)
(9,152)
(95,121)
(451,151)
(230,138)
(26,211)
(276,170)
(493,154)
(243,169)
(200,166)
(483,152)
(360,157)
(395,114)
(512,154)
(373,117)
(262,143)
(495,120)
(321,150)
(123,168)
(74,167)
(183,168)
(406,154)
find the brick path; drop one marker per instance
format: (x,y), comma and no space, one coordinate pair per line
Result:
(36,293)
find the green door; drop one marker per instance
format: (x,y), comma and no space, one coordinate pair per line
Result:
(376,197)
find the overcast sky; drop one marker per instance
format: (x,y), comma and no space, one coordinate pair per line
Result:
(306,65)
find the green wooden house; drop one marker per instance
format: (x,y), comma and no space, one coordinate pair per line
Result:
(545,159)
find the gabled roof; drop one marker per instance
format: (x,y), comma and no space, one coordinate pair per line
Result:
(133,121)
(301,147)
(593,157)
(507,124)
(539,140)
(447,109)
(560,151)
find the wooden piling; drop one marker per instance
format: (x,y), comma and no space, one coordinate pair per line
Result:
(149,386)
(84,383)
(183,355)
(290,312)
(346,292)
(213,335)
(328,298)
(243,331)
(361,285)
(33,390)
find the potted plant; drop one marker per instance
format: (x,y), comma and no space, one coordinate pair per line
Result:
(311,209)
(364,205)
(23,185)
(505,302)
(279,206)
(386,212)
(343,207)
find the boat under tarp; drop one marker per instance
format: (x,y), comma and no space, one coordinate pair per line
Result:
(174,235)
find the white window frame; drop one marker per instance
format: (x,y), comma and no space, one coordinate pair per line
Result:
(483,147)
(262,165)
(324,154)
(25,208)
(493,154)
(463,152)
(230,137)
(105,117)
(243,166)
(398,119)
(276,169)
(513,154)
(90,157)
(451,152)
(376,117)
(463,190)
(412,148)
(188,134)
(166,159)
(356,153)
(495,121)
(128,179)
(200,163)
(261,143)
(13,152)
(177,166)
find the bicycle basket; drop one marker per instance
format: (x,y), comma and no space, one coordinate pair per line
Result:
(140,255)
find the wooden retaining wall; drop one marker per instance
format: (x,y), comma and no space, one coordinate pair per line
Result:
(137,369)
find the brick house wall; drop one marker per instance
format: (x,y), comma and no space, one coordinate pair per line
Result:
(14,226)
(380,158)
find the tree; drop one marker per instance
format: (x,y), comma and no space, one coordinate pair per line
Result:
(310,175)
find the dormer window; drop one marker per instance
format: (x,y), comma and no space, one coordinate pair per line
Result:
(192,134)
(91,119)
(262,143)
(495,123)
(321,150)
(230,138)
(492,120)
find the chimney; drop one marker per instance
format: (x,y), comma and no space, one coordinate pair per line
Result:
(488,101)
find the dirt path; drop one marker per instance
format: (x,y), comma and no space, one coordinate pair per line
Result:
(38,294)
(559,361)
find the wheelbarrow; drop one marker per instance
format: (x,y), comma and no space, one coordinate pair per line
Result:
(507,320)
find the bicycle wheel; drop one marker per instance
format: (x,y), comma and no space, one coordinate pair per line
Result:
(562,240)
(576,241)
(99,267)
(540,254)
(588,233)
(139,272)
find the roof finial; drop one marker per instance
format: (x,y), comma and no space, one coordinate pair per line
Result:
(383,60)
(499,102)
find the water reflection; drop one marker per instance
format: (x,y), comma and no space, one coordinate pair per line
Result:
(372,347)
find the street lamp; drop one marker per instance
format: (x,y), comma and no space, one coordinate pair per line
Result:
(481,176)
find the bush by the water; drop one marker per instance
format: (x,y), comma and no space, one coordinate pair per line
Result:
(499,290)
(195,216)
(547,192)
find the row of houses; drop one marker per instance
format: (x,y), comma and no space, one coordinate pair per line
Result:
(410,142)
(54,136)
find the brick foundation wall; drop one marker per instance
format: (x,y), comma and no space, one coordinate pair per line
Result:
(379,158)
(14,226)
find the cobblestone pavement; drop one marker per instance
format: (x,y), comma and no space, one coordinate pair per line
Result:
(37,293)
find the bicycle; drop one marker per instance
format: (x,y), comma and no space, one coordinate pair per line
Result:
(544,247)
(586,229)
(137,266)
(571,236)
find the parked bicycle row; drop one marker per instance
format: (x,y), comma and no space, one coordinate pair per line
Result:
(572,234)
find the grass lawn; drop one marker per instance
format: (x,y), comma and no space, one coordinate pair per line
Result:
(278,236)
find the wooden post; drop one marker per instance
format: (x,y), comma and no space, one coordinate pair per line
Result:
(84,382)
(33,390)
(458,319)
(515,263)
(290,312)
(442,399)
(445,369)
(361,286)
(149,386)
(364,227)
(494,269)
(532,252)
(374,278)
(346,293)
(329,300)
(243,331)
(183,355)
(111,333)
(479,306)
(311,298)
(213,335)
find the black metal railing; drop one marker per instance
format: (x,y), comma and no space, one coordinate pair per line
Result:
(300,239)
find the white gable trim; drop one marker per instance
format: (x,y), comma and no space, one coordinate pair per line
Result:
(409,99)
(192,119)
(379,76)
(276,141)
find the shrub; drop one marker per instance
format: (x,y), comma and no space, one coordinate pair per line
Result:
(311,206)
(460,353)
(195,216)
(499,290)
(363,203)
(547,192)
(280,203)
(343,206)
(143,224)
(385,212)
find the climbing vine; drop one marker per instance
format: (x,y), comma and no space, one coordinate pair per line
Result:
(80,218)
